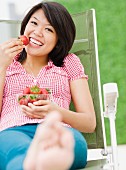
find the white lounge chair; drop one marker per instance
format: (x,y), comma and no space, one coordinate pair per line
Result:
(86,47)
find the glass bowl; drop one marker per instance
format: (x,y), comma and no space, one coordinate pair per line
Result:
(24,99)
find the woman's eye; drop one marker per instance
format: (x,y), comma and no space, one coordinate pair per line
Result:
(33,22)
(48,29)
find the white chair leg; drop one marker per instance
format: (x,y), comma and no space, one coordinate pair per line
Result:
(110,103)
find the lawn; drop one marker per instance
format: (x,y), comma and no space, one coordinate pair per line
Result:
(111,33)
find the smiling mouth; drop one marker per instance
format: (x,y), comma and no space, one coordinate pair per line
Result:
(36,42)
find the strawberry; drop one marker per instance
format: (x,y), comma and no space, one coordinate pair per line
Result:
(23,101)
(26,90)
(24,39)
(35,90)
(32,98)
(32,94)
(44,91)
(20,97)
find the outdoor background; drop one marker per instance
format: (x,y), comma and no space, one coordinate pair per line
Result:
(111,33)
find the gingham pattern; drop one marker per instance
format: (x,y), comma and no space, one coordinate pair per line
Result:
(55,78)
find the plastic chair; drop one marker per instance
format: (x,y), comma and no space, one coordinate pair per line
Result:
(86,47)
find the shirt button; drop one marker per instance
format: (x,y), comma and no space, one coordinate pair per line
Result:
(35,80)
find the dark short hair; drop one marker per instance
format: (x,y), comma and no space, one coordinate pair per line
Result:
(62,22)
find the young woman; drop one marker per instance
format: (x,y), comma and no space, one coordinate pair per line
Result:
(45,62)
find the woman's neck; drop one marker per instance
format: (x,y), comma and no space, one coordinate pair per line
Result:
(34,65)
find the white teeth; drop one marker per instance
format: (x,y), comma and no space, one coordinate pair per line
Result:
(35,42)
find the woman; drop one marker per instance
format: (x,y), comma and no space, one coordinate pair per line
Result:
(45,62)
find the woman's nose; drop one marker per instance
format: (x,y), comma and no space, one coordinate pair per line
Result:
(38,32)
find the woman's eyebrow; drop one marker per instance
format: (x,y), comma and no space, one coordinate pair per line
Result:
(35,18)
(39,20)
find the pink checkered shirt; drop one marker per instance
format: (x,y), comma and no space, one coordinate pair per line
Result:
(55,78)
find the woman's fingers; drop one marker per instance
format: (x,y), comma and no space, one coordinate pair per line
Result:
(39,108)
(12,42)
(42,102)
(14,50)
(10,45)
(33,116)
(31,111)
(9,49)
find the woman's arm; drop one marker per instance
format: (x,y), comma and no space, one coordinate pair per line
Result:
(2,80)
(84,118)
(8,50)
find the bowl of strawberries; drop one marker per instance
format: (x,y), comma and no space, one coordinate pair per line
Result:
(32,94)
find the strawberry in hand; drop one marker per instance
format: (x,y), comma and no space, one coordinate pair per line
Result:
(24,39)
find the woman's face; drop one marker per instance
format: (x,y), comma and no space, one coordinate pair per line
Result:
(41,34)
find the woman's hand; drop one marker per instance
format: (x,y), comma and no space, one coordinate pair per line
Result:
(39,109)
(8,50)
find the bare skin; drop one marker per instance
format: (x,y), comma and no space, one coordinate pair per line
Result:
(52,146)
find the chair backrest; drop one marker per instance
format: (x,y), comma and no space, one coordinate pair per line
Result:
(85,46)
(9,29)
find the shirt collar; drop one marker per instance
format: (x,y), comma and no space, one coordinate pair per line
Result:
(50,63)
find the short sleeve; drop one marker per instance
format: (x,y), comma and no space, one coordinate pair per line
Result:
(74,67)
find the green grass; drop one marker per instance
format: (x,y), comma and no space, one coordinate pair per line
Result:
(111,33)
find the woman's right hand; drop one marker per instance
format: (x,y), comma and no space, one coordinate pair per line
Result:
(8,50)
(39,109)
